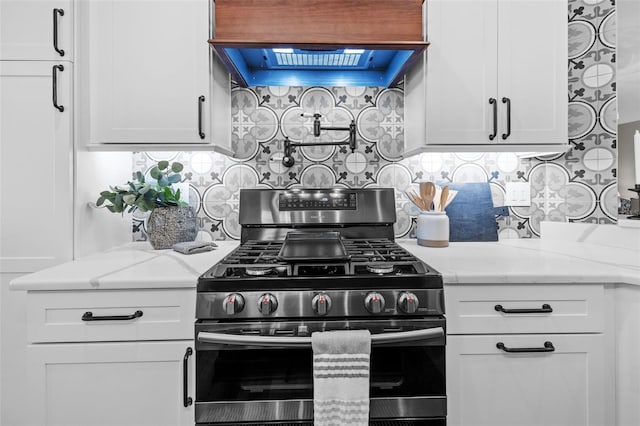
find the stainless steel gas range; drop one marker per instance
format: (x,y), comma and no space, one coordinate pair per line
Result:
(317,260)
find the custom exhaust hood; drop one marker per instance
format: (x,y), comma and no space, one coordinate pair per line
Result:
(318,42)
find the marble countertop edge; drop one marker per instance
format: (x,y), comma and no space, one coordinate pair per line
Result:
(518,261)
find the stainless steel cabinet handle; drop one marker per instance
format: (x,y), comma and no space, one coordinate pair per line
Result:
(548,347)
(508,102)
(270,341)
(186,399)
(494,102)
(56,13)
(55,70)
(200,105)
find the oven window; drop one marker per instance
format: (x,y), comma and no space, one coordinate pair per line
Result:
(264,374)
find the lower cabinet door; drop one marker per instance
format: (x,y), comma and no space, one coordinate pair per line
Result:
(110,384)
(517,385)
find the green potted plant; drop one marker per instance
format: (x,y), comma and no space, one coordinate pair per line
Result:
(171,220)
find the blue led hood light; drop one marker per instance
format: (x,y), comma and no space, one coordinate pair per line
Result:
(314,65)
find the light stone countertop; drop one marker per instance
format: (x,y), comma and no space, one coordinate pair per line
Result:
(133,265)
(583,254)
(530,261)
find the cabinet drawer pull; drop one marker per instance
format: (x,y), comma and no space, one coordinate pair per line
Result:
(494,102)
(546,308)
(548,347)
(186,399)
(200,105)
(508,102)
(56,13)
(88,316)
(55,70)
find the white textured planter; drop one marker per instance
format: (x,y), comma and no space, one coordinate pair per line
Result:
(169,225)
(432,229)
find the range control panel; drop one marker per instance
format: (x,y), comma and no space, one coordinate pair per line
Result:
(317,200)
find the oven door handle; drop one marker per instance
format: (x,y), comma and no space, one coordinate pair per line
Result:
(280,341)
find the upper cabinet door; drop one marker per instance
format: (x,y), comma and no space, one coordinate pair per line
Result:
(495,77)
(35,164)
(36,30)
(532,71)
(148,70)
(461,71)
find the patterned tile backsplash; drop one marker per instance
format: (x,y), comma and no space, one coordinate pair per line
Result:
(578,186)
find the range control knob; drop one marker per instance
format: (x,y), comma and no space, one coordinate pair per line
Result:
(321,303)
(267,304)
(408,302)
(233,303)
(374,302)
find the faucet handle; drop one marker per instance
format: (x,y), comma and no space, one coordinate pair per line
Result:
(352,136)
(316,122)
(287,159)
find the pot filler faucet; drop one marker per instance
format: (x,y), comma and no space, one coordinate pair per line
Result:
(288,160)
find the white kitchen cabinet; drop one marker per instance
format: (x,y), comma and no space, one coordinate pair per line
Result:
(147,77)
(627,329)
(36,30)
(527,355)
(532,71)
(489,387)
(13,353)
(110,384)
(36,175)
(493,78)
(125,370)
(577,308)
(60,316)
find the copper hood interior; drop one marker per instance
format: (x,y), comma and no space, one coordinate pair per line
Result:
(318,43)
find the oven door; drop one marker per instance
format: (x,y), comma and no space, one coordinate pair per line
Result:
(262,372)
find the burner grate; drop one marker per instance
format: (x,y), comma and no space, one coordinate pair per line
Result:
(256,252)
(377,251)
(257,259)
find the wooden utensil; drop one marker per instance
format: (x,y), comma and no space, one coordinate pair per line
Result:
(427,192)
(415,199)
(444,195)
(436,199)
(423,189)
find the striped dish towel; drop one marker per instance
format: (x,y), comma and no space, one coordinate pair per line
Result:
(341,377)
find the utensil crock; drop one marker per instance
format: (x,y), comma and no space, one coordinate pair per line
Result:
(432,229)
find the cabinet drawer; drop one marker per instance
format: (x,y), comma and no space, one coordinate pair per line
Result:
(511,308)
(110,315)
(566,386)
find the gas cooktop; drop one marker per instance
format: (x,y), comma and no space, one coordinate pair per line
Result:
(378,262)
